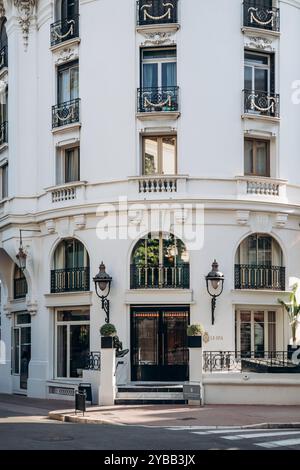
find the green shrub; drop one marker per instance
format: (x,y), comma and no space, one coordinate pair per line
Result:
(108,330)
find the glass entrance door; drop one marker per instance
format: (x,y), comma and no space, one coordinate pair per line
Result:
(159,343)
(21,350)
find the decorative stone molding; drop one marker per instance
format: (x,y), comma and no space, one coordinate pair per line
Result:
(67,54)
(281,220)
(258,42)
(261,223)
(242,217)
(3,86)
(80,222)
(7,310)
(2,9)
(25,10)
(50,226)
(158,39)
(32,307)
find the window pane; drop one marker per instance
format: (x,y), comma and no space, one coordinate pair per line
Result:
(169,155)
(73,315)
(23,319)
(4,181)
(262,158)
(150,75)
(72,165)
(79,348)
(16,351)
(248,157)
(159,53)
(256,59)
(261,80)
(62,351)
(63,86)
(272,331)
(245,339)
(248,78)
(74,83)
(259,334)
(169,74)
(150,156)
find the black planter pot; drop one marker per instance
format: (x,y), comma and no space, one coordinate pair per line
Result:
(194,341)
(291,350)
(107,342)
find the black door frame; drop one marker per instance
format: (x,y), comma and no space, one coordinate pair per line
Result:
(180,372)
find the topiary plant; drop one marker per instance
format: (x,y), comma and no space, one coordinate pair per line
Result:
(195,330)
(108,330)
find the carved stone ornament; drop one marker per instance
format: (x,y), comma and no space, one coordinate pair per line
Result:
(158,39)
(242,217)
(25,10)
(257,42)
(2,9)
(66,54)
(32,307)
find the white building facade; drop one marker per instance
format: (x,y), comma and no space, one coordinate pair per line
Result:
(113,109)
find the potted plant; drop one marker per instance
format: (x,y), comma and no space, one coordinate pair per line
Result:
(194,333)
(108,332)
(293,310)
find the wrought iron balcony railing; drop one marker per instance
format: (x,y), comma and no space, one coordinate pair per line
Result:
(255,361)
(93,361)
(156,11)
(20,288)
(260,16)
(261,103)
(160,277)
(66,113)
(64,30)
(70,280)
(3,57)
(4,133)
(157,99)
(249,276)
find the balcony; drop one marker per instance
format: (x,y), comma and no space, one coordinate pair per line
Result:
(249,276)
(151,12)
(64,30)
(3,133)
(3,58)
(263,17)
(160,277)
(153,100)
(260,103)
(20,288)
(66,113)
(158,184)
(70,280)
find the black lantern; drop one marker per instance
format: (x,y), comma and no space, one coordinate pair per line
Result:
(214,286)
(102,282)
(21,255)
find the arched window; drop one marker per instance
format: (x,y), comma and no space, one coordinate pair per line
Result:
(66,9)
(71,267)
(159,262)
(20,283)
(259,264)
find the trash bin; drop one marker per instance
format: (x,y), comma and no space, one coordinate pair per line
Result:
(87,389)
(192,393)
(80,399)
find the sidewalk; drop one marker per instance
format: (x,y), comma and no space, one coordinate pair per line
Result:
(182,415)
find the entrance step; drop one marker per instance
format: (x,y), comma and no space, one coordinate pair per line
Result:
(142,394)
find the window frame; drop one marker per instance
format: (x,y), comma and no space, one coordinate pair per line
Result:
(4,185)
(68,324)
(254,141)
(159,154)
(248,63)
(159,61)
(60,173)
(60,68)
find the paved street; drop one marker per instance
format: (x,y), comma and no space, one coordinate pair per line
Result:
(24,425)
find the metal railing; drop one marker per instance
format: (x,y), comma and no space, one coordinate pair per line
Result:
(157,99)
(160,277)
(249,276)
(156,11)
(3,57)
(66,113)
(4,133)
(261,103)
(64,30)
(252,361)
(93,361)
(20,288)
(70,280)
(261,16)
